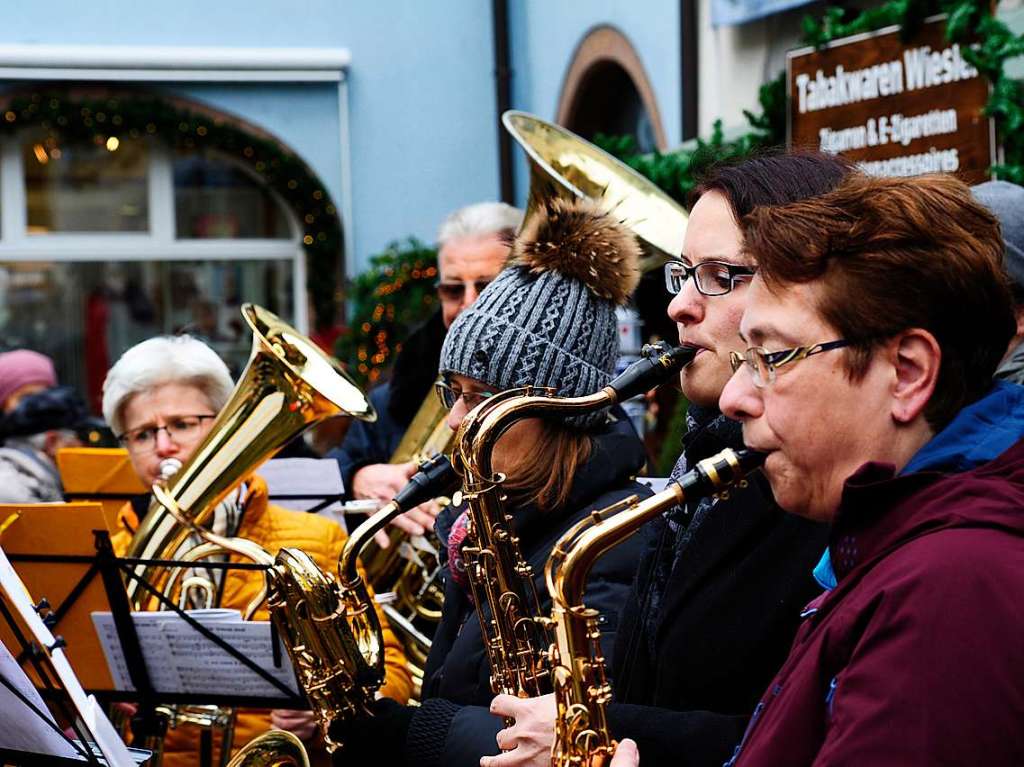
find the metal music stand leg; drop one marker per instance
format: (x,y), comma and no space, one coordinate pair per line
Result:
(148,727)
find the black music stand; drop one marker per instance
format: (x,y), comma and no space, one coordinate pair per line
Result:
(40,659)
(113,573)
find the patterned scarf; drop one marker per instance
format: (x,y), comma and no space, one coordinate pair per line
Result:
(707,432)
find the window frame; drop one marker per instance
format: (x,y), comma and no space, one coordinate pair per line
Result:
(160,243)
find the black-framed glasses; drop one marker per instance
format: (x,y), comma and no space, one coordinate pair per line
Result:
(449,395)
(454,290)
(712,278)
(182,430)
(762,363)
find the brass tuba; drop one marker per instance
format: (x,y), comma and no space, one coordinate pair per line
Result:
(515,639)
(276,748)
(288,385)
(582,692)
(329,627)
(564,165)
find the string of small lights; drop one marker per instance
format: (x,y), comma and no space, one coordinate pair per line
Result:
(387,301)
(106,117)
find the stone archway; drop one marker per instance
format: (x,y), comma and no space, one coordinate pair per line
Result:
(606,90)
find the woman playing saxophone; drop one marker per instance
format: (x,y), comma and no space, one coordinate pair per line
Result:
(547,321)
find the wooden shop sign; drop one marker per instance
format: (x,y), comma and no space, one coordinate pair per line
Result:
(895,108)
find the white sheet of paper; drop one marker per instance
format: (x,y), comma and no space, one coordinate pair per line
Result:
(22,729)
(114,750)
(181,660)
(304,476)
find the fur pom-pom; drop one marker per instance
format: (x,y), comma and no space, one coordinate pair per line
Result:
(580,239)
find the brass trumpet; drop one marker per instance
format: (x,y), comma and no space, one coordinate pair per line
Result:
(582,691)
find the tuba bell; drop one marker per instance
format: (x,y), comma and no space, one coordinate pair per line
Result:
(564,165)
(287,386)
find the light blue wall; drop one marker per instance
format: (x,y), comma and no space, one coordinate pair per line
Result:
(546,33)
(421,91)
(421,88)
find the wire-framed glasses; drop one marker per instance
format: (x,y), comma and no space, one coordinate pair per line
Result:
(449,395)
(182,429)
(712,278)
(762,363)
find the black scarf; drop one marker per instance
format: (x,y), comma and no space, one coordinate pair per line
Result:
(707,432)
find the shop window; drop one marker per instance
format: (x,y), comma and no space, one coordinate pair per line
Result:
(213,198)
(123,241)
(85,187)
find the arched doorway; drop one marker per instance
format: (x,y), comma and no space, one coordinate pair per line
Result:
(606,90)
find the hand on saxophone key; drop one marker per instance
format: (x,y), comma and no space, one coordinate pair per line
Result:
(528,741)
(301,724)
(626,755)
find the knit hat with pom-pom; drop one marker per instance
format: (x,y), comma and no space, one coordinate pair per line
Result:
(549,318)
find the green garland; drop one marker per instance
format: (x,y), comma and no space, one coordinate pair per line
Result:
(967,20)
(388,300)
(95,115)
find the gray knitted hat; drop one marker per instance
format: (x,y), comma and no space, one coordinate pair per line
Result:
(1006,201)
(549,317)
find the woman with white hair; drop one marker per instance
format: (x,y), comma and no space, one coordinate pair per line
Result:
(160,399)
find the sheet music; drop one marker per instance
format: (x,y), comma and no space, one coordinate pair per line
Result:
(181,660)
(22,729)
(304,476)
(114,750)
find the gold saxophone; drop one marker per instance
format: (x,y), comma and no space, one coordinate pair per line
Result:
(515,640)
(328,626)
(582,691)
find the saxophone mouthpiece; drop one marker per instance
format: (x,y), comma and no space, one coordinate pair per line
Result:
(436,477)
(660,363)
(749,460)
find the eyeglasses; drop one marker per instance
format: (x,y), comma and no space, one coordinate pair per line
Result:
(455,290)
(712,278)
(182,430)
(450,395)
(762,363)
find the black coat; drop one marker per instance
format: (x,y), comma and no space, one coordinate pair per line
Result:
(728,616)
(396,402)
(453,726)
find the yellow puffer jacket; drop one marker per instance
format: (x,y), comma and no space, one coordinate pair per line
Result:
(273,528)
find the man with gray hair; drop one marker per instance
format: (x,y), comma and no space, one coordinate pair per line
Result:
(473,244)
(1006,201)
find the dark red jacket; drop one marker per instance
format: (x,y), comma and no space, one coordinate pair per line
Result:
(917,656)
